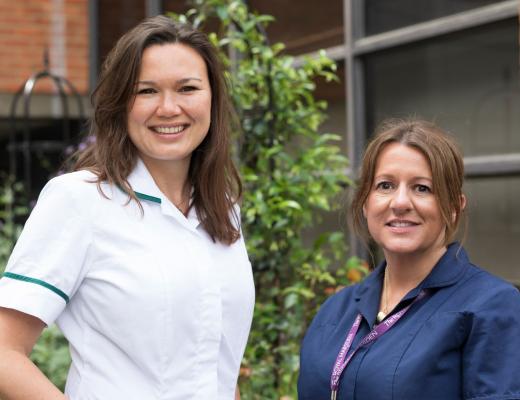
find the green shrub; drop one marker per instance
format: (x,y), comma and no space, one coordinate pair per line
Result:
(12,208)
(293,173)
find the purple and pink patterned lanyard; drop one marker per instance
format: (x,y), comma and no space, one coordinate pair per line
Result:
(379,330)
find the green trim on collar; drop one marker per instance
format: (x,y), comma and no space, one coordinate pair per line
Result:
(37,282)
(143,196)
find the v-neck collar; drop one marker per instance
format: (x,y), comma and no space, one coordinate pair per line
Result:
(446,272)
(145,189)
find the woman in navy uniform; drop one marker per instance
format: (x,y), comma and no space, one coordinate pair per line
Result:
(427,323)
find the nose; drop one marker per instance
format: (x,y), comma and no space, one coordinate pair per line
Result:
(401,201)
(169,106)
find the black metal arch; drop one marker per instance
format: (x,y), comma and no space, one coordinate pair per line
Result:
(25,146)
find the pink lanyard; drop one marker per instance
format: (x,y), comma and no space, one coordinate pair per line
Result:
(378,331)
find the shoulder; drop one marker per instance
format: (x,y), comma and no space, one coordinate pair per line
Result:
(69,182)
(74,194)
(484,299)
(470,288)
(337,305)
(79,186)
(489,291)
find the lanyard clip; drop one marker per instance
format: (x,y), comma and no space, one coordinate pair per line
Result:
(333,394)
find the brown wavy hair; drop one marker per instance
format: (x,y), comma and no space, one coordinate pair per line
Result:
(444,158)
(112,156)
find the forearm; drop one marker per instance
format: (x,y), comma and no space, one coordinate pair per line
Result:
(20,379)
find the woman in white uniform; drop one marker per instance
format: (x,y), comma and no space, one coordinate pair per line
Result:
(138,255)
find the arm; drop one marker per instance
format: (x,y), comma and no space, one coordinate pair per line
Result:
(19,377)
(491,355)
(237,393)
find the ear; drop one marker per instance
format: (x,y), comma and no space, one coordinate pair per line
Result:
(364,211)
(462,202)
(462,207)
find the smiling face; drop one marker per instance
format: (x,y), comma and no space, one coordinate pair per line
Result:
(170,114)
(401,210)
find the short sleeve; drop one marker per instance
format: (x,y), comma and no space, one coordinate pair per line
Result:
(491,357)
(48,262)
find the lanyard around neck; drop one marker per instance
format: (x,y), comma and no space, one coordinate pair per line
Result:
(379,330)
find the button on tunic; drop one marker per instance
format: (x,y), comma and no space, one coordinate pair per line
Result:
(151,306)
(461,342)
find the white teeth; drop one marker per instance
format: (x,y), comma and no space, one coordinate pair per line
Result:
(400,224)
(169,129)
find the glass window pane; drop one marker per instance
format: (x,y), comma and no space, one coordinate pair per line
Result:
(115,18)
(494,225)
(467,82)
(303,25)
(385,15)
(176,6)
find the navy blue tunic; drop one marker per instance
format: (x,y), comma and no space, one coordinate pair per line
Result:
(461,342)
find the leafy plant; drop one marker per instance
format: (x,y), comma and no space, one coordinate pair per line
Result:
(12,208)
(292,173)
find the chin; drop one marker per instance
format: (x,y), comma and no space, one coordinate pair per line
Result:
(401,250)
(403,247)
(411,248)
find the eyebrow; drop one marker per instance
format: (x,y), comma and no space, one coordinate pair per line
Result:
(390,176)
(180,81)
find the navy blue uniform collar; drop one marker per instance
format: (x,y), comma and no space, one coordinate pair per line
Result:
(448,270)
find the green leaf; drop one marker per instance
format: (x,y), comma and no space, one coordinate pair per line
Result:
(290,204)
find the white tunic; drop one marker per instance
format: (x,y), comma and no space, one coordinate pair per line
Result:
(151,306)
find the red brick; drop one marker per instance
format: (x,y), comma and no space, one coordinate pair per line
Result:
(26,31)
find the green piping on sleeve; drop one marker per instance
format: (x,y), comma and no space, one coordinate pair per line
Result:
(143,196)
(37,282)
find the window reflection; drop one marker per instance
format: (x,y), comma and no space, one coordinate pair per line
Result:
(385,15)
(467,82)
(494,225)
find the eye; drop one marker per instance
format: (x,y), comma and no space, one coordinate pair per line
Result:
(384,186)
(423,189)
(188,88)
(146,91)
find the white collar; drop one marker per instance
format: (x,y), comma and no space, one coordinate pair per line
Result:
(145,188)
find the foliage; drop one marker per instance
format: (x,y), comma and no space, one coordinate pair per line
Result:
(51,352)
(11,209)
(292,174)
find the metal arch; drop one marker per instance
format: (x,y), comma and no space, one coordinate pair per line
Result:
(25,147)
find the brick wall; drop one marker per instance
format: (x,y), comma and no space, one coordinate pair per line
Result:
(28,27)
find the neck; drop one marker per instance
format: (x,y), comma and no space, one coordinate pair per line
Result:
(403,273)
(407,271)
(172,180)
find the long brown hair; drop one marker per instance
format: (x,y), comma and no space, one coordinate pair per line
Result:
(113,156)
(444,158)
